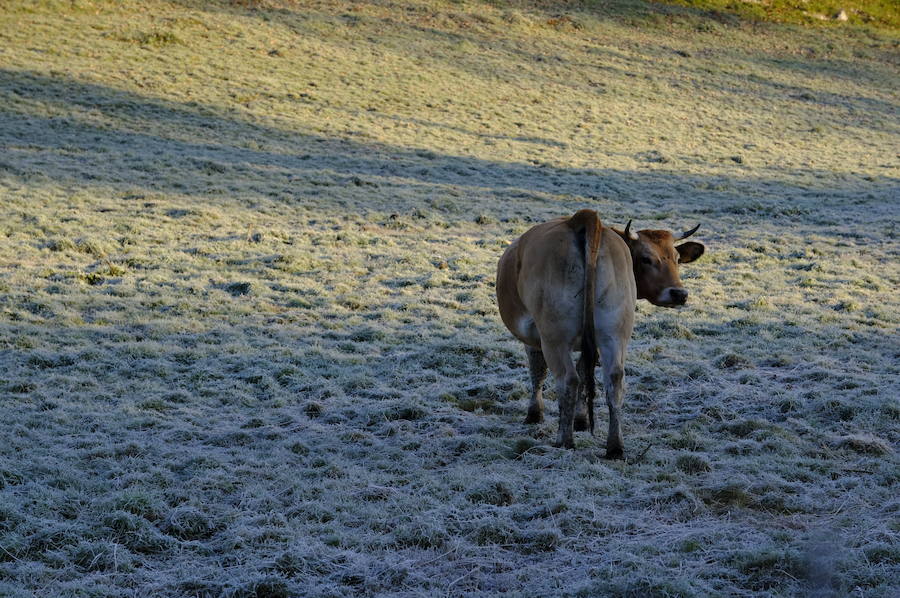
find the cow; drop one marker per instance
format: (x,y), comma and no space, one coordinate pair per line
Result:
(571,284)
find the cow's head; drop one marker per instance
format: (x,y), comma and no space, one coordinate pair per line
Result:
(656,259)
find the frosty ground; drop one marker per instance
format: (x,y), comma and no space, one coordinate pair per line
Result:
(248,337)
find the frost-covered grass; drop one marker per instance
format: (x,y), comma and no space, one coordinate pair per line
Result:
(248,340)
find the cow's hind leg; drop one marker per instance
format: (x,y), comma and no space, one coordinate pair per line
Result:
(559,359)
(581,407)
(538,368)
(612,352)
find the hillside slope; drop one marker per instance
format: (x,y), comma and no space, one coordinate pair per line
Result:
(248,339)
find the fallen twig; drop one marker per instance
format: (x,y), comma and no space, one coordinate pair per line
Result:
(641,456)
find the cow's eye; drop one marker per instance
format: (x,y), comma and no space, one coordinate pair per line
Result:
(646,261)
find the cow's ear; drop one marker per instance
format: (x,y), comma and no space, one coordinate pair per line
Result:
(688,252)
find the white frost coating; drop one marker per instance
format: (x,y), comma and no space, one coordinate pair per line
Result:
(249,344)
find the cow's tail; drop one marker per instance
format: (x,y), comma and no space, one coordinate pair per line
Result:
(586,224)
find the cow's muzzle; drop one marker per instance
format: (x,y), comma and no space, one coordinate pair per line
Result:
(673,297)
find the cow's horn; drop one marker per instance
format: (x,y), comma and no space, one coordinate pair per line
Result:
(688,233)
(628,233)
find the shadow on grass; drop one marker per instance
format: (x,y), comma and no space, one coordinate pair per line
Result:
(59,131)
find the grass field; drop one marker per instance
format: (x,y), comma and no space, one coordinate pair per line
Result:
(248,338)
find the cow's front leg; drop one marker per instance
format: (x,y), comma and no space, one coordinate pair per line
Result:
(538,368)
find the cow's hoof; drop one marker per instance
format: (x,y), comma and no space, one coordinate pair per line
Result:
(534,417)
(581,423)
(565,444)
(615,454)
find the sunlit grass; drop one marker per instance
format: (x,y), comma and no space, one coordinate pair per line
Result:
(248,340)
(879,14)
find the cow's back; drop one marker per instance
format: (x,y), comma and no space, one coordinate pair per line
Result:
(540,282)
(539,276)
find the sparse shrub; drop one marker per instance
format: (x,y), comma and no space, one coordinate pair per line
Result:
(156,38)
(367,335)
(101,556)
(688,439)
(95,248)
(237,289)
(692,463)
(864,443)
(666,330)
(45,360)
(269,586)
(298,448)
(139,504)
(524,445)
(768,567)
(9,518)
(401,411)
(352,303)
(201,588)
(13,546)
(790,405)
(54,536)
(61,245)
(136,533)
(494,531)
(744,427)
(158,405)
(847,305)
(742,447)
(91,278)
(421,534)
(130,449)
(697,372)
(777,501)
(631,584)
(533,541)
(495,493)
(725,495)
(837,409)
(732,360)
(21,388)
(313,409)
(115,270)
(887,554)
(473,405)
(188,523)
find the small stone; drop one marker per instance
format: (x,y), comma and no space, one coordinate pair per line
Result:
(841,15)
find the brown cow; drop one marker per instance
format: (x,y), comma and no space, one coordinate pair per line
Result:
(554,304)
